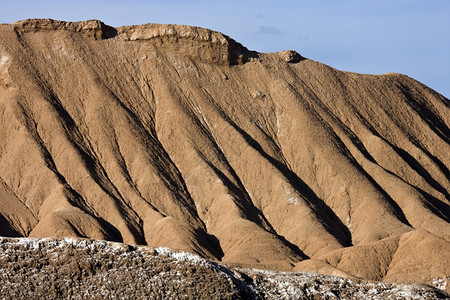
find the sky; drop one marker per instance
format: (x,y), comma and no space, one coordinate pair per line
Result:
(365,36)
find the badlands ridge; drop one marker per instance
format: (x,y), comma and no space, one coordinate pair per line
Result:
(177,136)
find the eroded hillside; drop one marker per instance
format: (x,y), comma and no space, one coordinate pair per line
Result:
(178,136)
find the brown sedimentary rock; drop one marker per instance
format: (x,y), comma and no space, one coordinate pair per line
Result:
(178,136)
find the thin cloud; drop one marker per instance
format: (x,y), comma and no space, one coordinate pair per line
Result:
(269,30)
(302,38)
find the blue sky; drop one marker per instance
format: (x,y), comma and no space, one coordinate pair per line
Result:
(365,36)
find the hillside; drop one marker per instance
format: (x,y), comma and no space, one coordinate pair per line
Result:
(177,136)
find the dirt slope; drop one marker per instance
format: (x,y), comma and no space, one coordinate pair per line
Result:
(178,136)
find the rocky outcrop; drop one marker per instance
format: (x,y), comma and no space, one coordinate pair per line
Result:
(71,268)
(290,56)
(92,28)
(199,43)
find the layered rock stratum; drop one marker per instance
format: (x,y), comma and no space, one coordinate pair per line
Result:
(180,137)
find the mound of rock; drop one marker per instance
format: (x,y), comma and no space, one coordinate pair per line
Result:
(73,269)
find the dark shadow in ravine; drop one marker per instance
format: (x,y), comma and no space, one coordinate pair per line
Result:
(416,166)
(253,213)
(438,207)
(214,245)
(6,229)
(434,122)
(323,212)
(113,233)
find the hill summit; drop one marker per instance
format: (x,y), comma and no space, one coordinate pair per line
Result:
(178,136)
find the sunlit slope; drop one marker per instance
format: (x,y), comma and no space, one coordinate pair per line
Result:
(178,136)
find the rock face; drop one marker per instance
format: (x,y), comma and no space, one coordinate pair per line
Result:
(91,28)
(177,136)
(290,56)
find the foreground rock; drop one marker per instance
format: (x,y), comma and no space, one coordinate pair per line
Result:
(178,136)
(70,268)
